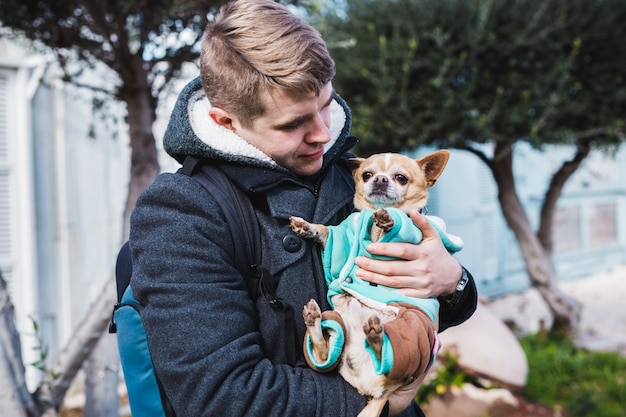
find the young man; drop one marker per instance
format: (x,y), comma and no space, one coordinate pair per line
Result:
(266,114)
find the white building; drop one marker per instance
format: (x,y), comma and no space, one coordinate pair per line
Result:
(63,181)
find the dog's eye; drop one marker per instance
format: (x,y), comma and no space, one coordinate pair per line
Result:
(367,175)
(401,179)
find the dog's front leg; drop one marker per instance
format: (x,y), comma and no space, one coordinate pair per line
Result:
(306,230)
(383,222)
(312,319)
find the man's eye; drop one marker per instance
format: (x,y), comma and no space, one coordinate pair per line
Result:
(366,176)
(290,127)
(401,179)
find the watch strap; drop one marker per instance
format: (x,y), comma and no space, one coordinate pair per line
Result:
(455,297)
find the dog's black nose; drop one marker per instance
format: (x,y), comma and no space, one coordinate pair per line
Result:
(381,179)
(380,184)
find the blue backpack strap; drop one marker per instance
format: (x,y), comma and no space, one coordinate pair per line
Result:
(239,212)
(123,270)
(144,392)
(244,226)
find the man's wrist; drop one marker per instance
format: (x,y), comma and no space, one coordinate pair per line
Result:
(455,297)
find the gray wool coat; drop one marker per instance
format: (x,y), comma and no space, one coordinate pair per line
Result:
(214,352)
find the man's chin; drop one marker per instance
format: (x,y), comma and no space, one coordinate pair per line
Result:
(309,168)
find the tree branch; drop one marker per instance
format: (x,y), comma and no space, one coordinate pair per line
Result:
(480,154)
(560,177)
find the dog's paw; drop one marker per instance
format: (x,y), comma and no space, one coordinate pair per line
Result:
(383,220)
(301,227)
(311,313)
(317,232)
(374,334)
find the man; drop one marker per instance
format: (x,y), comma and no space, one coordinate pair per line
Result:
(265,114)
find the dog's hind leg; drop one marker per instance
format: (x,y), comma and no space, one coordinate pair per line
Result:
(374,335)
(313,319)
(374,407)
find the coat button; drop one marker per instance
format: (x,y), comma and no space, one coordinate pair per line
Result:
(292,243)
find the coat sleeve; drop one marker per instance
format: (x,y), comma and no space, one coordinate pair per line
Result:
(200,321)
(456,314)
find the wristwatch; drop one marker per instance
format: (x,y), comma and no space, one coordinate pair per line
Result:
(453,299)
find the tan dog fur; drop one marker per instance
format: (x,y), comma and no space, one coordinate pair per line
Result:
(382,180)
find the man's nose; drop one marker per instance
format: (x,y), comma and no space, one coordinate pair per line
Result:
(321,130)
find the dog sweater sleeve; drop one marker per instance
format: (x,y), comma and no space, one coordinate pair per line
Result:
(332,324)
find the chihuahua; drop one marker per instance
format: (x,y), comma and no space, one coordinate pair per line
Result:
(380,339)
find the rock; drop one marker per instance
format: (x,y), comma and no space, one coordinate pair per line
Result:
(525,312)
(487,348)
(469,401)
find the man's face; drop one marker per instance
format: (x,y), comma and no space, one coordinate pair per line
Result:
(294,129)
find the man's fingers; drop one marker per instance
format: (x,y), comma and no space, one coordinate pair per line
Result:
(421,221)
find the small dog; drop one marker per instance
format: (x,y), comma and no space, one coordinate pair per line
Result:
(380,339)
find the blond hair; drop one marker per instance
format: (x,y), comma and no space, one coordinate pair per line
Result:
(254,46)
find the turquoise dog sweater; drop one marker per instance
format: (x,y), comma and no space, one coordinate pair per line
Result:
(350,239)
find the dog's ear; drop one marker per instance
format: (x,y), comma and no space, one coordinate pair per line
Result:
(355,163)
(433,165)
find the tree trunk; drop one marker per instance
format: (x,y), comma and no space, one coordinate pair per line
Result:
(560,177)
(102,369)
(539,262)
(144,166)
(15,400)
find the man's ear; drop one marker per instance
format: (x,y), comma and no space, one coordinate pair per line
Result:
(222,118)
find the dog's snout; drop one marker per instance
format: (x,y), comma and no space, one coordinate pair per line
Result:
(380,184)
(381,179)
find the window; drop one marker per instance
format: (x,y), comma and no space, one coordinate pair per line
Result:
(567,229)
(602,224)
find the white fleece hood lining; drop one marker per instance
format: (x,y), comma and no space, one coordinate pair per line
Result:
(226,141)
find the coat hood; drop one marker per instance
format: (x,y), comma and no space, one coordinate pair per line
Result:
(192,132)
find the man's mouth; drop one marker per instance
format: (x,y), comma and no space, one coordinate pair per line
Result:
(315,155)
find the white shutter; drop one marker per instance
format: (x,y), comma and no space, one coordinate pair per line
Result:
(6,205)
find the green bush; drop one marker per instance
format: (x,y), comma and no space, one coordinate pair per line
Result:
(447,375)
(584,383)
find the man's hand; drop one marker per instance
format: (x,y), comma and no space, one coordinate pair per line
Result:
(423,270)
